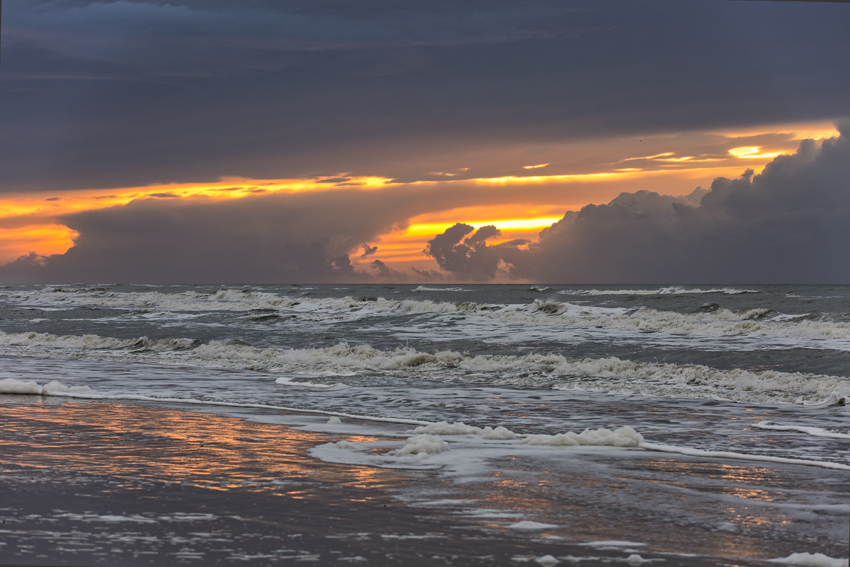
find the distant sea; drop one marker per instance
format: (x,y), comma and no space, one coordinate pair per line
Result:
(717,411)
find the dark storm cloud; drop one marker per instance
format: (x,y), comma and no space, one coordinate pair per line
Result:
(387,273)
(268,238)
(791,223)
(108,94)
(463,251)
(277,237)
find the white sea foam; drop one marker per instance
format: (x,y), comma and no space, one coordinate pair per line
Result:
(425,288)
(12,386)
(811,560)
(290,382)
(527,525)
(813,431)
(658,291)
(445,428)
(756,322)
(833,399)
(718,323)
(421,445)
(742,456)
(94,342)
(611,375)
(623,437)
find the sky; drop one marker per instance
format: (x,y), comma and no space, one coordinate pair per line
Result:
(551,141)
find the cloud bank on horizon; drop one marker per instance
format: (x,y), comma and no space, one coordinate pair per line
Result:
(789,223)
(461,113)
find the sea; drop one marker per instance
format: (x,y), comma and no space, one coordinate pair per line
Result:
(689,420)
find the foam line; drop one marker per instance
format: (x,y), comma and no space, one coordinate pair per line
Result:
(813,431)
(741,456)
(133,397)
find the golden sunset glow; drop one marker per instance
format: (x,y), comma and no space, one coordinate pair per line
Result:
(404,247)
(623,174)
(51,203)
(29,221)
(797,131)
(503,224)
(752,152)
(46,239)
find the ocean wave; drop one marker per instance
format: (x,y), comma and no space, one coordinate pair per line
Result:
(658,291)
(607,375)
(710,321)
(95,342)
(713,322)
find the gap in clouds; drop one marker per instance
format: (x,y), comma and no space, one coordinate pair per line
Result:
(781,225)
(502,190)
(788,224)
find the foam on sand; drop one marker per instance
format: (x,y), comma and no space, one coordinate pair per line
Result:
(460,428)
(811,560)
(421,445)
(623,437)
(12,386)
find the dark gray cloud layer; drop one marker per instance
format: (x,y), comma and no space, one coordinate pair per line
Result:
(789,224)
(105,94)
(269,238)
(278,237)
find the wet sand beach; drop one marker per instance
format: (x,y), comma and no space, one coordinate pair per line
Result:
(92,483)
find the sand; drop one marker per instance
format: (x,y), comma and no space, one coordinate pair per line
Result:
(92,483)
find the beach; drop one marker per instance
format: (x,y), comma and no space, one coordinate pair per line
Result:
(104,484)
(165,425)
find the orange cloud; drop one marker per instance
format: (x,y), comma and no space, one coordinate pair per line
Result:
(45,239)
(526,204)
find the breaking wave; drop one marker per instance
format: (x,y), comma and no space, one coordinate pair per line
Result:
(709,321)
(608,375)
(658,291)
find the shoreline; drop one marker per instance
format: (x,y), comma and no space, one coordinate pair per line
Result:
(104,483)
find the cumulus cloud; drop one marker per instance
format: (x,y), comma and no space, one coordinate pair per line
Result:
(462,253)
(279,237)
(387,273)
(790,223)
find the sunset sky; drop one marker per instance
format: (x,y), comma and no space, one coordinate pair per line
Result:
(632,141)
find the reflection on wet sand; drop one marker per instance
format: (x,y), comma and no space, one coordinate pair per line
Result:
(149,465)
(706,508)
(201,449)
